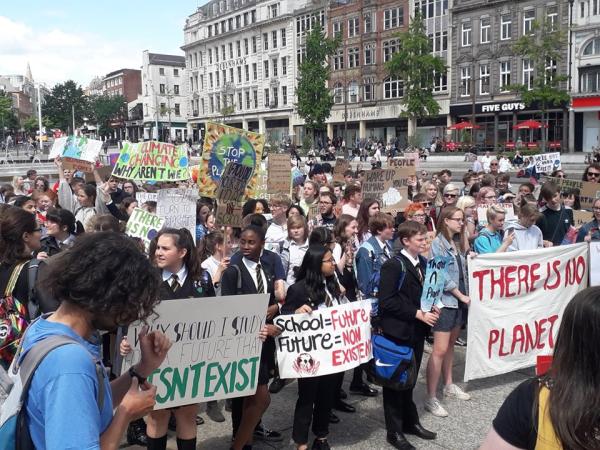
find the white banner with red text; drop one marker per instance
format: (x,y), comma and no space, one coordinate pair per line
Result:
(517,301)
(328,340)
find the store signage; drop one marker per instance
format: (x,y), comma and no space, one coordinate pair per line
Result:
(232,63)
(497,107)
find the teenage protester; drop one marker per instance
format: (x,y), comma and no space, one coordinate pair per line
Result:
(173,252)
(130,188)
(368,261)
(277,231)
(214,255)
(84,201)
(352,200)
(25,203)
(44,201)
(468,205)
(202,212)
(326,217)
(490,239)
(18,184)
(293,249)
(591,230)
(316,288)
(368,208)
(402,321)
(62,409)
(560,408)
(486,196)
(310,192)
(256,278)
(112,188)
(556,219)
(450,242)
(60,231)
(527,235)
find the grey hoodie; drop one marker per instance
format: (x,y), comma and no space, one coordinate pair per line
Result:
(525,238)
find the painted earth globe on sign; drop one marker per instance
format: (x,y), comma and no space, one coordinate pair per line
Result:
(230,148)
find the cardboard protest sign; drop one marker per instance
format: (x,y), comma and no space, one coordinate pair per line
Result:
(403,162)
(224,144)
(341,165)
(76,150)
(328,340)
(143,197)
(594,263)
(582,217)
(262,183)
(509,208)
(517,301)
(144,225)
(233,182)
(433,286)
(280,173)
(414,156)
(178,208)
(546,162)
(588,192)
(229,214)
(216,348)
(152,161)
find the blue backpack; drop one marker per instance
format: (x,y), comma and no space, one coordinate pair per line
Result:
(14,386)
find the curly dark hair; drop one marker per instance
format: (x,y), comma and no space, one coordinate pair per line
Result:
(105,274)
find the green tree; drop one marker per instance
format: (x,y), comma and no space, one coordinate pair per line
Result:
(314,98)
(417,67)
(31,125)
(62,100)
(104,109)
(543,47)
(8,120)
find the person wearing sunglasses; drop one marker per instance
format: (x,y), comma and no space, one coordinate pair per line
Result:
(592,173)
(451,193)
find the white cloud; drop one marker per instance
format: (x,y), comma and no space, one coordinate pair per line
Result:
(57,55)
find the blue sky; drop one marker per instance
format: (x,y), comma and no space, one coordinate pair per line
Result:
(75,39)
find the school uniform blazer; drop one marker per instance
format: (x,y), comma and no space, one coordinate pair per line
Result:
(189,289)
(230,277)
(398,307)
(297,295)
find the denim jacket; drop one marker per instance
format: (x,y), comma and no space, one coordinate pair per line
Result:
(585,229)
(441,247)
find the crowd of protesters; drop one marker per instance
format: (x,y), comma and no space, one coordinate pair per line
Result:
(313,249)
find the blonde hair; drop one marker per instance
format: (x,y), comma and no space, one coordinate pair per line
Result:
(297,222)
(494,211)
(464,202)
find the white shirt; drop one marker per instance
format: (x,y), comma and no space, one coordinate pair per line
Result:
(486,160)
(181,275)
(275,234)
(297,252)
(251,266)
(411,258)
(349,209)
(504,165)
(384,246)
(211,265)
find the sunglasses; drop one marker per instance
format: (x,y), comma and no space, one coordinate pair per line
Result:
(494,164)
(594,174)
(450,195)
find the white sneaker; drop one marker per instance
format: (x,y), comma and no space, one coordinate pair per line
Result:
(434,406)
(452,390)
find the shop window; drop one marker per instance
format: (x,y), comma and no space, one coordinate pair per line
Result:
(392,88)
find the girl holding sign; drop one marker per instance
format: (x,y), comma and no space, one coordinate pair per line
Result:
(316,287)
(173,252)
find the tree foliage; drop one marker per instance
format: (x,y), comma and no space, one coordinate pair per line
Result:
(62,98)
(8,119)
(31,125)
(417,67)
(104,109)
(543,45)
(314,98)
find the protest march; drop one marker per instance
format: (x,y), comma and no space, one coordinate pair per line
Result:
(137,288)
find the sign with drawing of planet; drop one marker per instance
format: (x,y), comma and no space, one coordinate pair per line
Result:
(224,144)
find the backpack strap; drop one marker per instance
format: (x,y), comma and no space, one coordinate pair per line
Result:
(32,273)
(403,274)
(34,357)
(12,282)
(238,285)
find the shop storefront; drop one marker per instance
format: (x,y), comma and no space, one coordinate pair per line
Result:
(586,123)
(497,121)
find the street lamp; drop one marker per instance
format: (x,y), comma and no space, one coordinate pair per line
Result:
(39,108)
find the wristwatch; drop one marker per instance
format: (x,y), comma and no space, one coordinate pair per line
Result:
(134,374)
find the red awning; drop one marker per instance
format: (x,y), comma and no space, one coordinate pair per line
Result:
(529,124)
(463,126)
